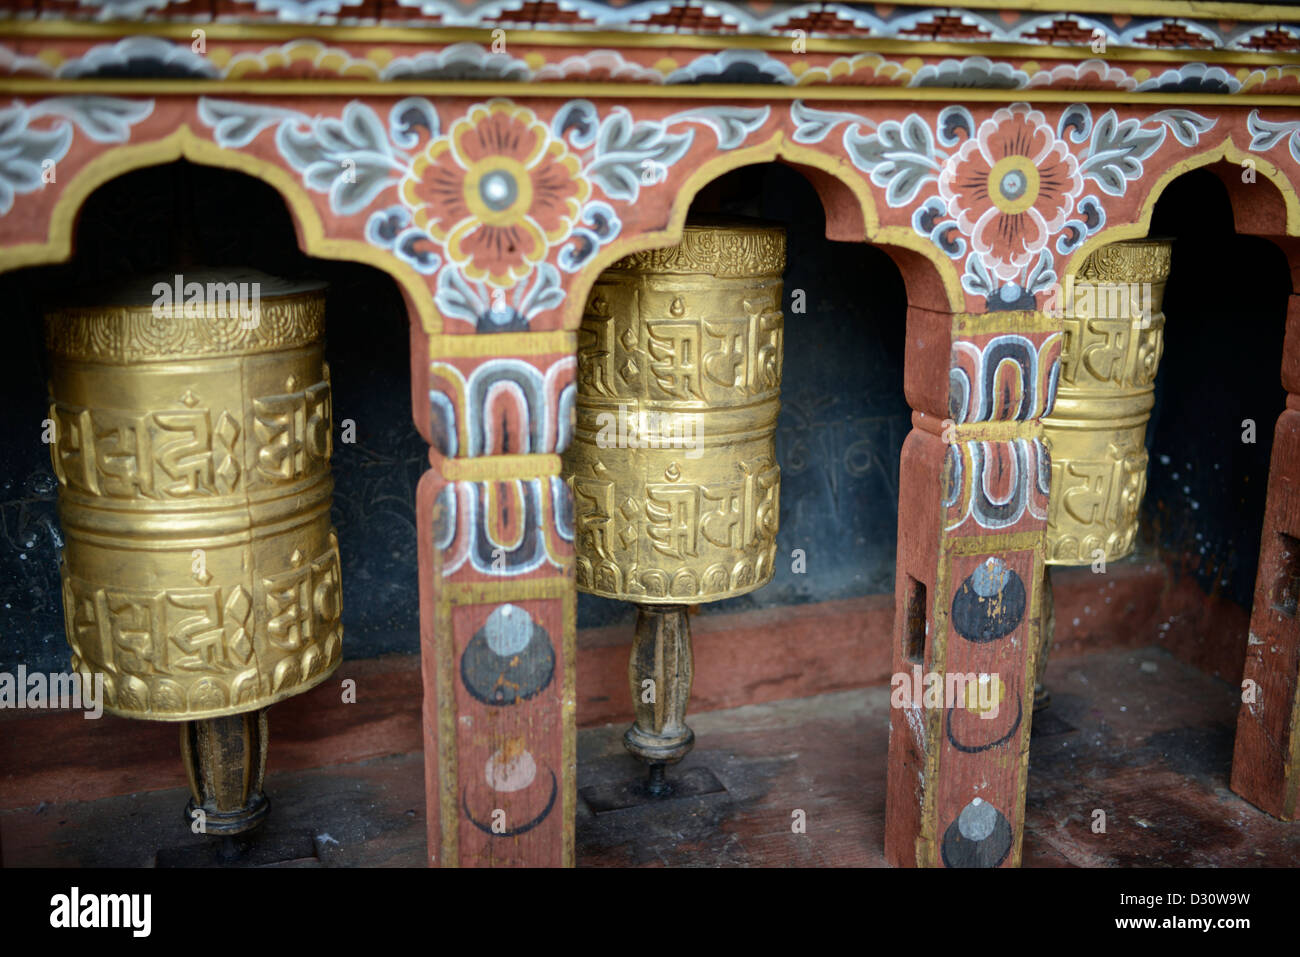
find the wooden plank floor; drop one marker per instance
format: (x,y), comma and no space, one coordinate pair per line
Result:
(1135,733)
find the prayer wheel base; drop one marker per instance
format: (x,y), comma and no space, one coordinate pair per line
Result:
(696,782)
(225,760)
(233,823)
(660,672)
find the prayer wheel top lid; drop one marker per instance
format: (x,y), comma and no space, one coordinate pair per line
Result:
(198,311)
(721,246)
(1130,260)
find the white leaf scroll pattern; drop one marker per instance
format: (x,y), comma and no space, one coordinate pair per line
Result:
(1006,195)
(33,139)
(490,244)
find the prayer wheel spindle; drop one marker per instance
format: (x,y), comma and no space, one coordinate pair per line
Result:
(192,441)
(1114,337)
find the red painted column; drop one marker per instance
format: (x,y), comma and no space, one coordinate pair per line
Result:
(1266,757)
(497,614)
(972,521)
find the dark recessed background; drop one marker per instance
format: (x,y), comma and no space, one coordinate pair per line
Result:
(1225,311)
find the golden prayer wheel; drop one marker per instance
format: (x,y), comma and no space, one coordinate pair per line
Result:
(672,465)
(192,439)
(1110,353)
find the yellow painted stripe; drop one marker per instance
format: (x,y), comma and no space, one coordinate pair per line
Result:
(996,431)
(989,544)
(501,468)
(1186,9)
(491,344)
(494,593)
(978,324)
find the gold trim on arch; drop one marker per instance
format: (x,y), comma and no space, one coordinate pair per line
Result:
(184,144)
(775,148)
(1227,150)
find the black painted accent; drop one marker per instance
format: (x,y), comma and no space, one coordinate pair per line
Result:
(982,619)
(505,680)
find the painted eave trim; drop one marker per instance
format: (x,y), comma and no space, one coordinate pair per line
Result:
(430,37)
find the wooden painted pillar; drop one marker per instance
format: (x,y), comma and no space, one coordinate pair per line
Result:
(1266,757)
(972,521)
(497,606)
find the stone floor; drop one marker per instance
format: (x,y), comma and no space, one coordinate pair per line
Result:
(1137,734)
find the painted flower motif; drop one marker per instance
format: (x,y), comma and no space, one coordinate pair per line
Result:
(497,190)
(1011,187)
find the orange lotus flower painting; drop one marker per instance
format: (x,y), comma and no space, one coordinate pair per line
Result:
(498,190)
(1011,188)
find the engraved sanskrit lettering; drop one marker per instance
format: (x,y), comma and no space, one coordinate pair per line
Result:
(1104,356)
(766,329)
(184,452)
(675,353)
(293,432)
(73,452)
(303,603)
(728,364)
(195,639)
(594,516)
(131,454)
(288,605)
(124,453)
(596,350)
(673,513)
(745,512)
(1088,491)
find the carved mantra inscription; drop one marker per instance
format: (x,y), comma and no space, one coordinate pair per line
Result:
(172,650)
(660,537)
(1103,352)
(1099,501)
(189,452)
(690,359)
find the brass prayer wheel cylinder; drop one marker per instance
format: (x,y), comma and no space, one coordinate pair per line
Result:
(1114,337)
(192,441)
(673,467)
